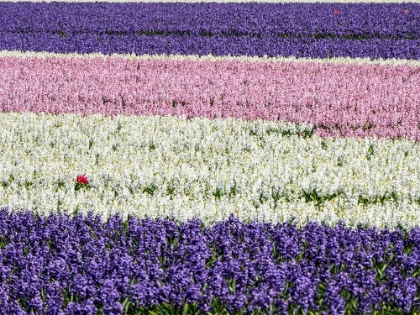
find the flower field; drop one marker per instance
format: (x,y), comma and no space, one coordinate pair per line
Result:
(212,157)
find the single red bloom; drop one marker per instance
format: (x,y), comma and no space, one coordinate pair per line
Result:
(82,179)
(405,11)
(336,11)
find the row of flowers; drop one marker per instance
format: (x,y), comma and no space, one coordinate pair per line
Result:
(323,30)
(82,265)
(245,58)
(310,47)
(339,99)
(215,19)
(170,166)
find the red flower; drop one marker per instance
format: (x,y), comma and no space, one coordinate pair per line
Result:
(405,11)
(336,11)
(82,179)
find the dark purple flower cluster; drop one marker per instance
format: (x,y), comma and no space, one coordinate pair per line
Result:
(226,19)
(63,265)
(217,46)
(318,30)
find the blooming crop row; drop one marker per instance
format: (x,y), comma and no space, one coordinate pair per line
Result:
(321,30)
(58,265)
(393,21)
(208,169)
(217,46)
(339,99)
(245,58)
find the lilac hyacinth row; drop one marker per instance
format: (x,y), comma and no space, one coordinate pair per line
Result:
(64,265)
(398,21)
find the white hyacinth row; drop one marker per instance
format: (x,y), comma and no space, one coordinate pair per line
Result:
(333,60)
(208,169)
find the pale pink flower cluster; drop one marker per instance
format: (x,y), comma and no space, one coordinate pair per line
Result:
(338,99)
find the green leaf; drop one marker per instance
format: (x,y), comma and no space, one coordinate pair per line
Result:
(125,301)
(185,309)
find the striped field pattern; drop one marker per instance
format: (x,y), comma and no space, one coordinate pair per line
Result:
(209,157)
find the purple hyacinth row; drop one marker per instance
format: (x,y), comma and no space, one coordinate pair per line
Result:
(63,265)
(301,30)
(226,19)
(217,46)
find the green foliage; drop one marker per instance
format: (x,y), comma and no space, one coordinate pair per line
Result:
(313,195)
(3,241)
(370,152)
(218,193)
(150,189)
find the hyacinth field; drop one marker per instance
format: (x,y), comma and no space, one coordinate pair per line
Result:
(211,157)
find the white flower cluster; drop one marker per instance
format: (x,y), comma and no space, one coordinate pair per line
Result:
(334,60)
(209,169)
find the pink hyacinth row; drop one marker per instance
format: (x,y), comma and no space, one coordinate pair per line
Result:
(338,99)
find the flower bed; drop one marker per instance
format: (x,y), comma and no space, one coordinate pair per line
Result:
(319,30)
(341,98)
(139,265)
(209,158)
(208,169)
